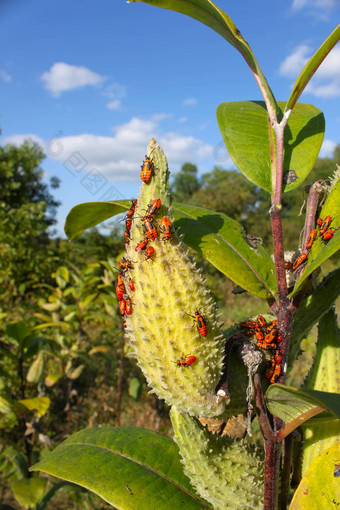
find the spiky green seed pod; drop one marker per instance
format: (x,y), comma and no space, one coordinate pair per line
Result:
(228,474)
(167,288)
(324,376)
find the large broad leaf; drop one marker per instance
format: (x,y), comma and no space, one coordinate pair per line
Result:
(312,309)
(324,376)
(295,406)
(222,241)
(217,237)
(311,67)
(90,214)
(319,489)
(320,250)
(208,13)
(128,467)
(247,134)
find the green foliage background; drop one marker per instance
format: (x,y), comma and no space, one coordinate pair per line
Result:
(60,334)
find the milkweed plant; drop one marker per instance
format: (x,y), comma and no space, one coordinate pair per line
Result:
(202,370)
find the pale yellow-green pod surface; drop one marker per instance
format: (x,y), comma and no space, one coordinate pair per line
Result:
(168,286)
(324,376)
(229,474)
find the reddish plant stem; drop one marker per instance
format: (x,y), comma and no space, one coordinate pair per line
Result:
(285,473)
(272,449)
(285,313)
(272,455)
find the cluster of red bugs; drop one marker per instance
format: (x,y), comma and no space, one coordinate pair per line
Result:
(324,231)
(151,233)
(267,337)
(150,229)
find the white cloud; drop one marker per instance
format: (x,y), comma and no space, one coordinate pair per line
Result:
(62,77)
(118,157)
(293,64)
(319,4)
(116,93)
(326,81)
(327,149)
(4,76)
(114,105)
(20,139)
(183,119)
(190,101)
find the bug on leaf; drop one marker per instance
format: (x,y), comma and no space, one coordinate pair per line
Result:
(300,260)
(325,224)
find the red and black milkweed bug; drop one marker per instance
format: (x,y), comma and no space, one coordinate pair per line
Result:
(166,228)
(311,238)
(149,228)
(325,224)
(122,306)
(146,170)
(128,307)
(131,284)
(142,244)
(200,323)
(261,321)
(131,211)
(120,288)
(249,324)
(186,361)
(124,264)
(149,252)
(300,260)
(154,206)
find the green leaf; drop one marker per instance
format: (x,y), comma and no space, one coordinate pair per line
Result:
(209,14)
(319,488)
(29,491)
(311,309)
(321,251)
(323,376)
(36,369)
(18,330)
(135,388)
(38,404)
(54,371)
(90,214)
(6,404)
(221,240)
(311,66)
(75,372)
(128,467)
(295,406)
(247,133)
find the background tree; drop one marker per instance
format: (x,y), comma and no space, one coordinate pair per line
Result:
(27,212)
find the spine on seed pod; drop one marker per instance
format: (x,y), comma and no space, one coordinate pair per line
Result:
(172,328)
(228,474)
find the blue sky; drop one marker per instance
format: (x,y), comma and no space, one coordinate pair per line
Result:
(93,82)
